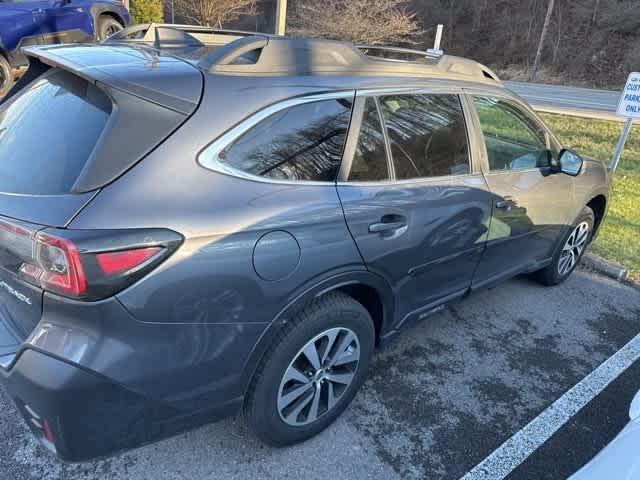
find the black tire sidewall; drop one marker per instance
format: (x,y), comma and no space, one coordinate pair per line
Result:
(554,276)
(263,413)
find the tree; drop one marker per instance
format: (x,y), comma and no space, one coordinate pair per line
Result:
(214,12)
(543,36)
(360,21)
(147,11)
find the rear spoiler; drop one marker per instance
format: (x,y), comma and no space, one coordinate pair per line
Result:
(152,101)
(42,58)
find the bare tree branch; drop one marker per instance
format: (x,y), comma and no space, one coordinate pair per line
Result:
(360,21)
(214,13)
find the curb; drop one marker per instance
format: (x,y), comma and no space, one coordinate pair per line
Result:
(605,267)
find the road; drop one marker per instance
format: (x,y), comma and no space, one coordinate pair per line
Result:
(569,100)
(439,400)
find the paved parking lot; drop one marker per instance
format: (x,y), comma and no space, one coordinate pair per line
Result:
(442,397)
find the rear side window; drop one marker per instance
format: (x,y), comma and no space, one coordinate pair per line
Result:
(427,134)
(48,133)
(370,158)
(303,142)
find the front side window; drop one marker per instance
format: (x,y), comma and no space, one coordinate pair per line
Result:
(427,134)
(514,141)
(303,142)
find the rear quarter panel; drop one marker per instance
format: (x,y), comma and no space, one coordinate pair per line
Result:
(212,278)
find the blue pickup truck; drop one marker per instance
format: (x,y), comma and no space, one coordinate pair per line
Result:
(29,22)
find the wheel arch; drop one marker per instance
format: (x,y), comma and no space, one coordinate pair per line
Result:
(598,203)
(97,10)
(368,289)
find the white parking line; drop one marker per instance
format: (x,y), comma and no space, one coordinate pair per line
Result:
(515,450)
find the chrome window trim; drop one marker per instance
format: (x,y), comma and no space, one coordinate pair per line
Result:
(417,180)
(209,157)
(516,170)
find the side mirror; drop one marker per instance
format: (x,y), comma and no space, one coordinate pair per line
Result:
(570,162)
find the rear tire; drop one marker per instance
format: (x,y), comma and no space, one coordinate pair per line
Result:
(6,76)
(570,250)
(295,395)
(107,26)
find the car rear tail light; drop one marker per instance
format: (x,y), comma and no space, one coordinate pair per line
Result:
(91,265)
(119,262)
(47,432)
(60,266)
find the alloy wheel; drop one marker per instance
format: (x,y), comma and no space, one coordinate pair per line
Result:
(317,377)
(111,29)
(573,248)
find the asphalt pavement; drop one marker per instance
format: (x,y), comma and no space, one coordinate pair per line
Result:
(440,399)
(587,102)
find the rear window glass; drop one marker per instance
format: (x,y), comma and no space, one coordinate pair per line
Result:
(303,142)
(48,132)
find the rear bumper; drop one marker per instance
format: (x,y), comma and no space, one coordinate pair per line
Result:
(91,380)
(79,415)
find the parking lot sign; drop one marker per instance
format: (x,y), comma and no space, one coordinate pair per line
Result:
(629,107)
(629,104)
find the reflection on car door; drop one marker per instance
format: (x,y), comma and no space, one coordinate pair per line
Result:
(532,202)
(32,33)
(70,20)
(418,213)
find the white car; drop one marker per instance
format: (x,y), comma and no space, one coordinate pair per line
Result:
(620,459)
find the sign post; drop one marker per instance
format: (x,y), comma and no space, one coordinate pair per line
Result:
(629,107)
(281,16)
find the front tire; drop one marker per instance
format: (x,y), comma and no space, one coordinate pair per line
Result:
(570,250)
(107,26)
(6,76)
(312,371)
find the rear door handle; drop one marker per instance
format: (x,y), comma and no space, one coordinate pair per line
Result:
(386,226)
(390,226)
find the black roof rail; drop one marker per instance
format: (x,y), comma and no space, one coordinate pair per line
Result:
(170,37)
(148,32)
(233,51)
(284,56)
(129,33)
(162,36)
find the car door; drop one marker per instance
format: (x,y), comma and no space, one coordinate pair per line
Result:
(70,20)
(414,203)
(532,200)
(32,32)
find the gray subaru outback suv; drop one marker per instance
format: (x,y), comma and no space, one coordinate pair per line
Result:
(198,222)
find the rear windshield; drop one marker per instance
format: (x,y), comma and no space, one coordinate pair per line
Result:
(47,134)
